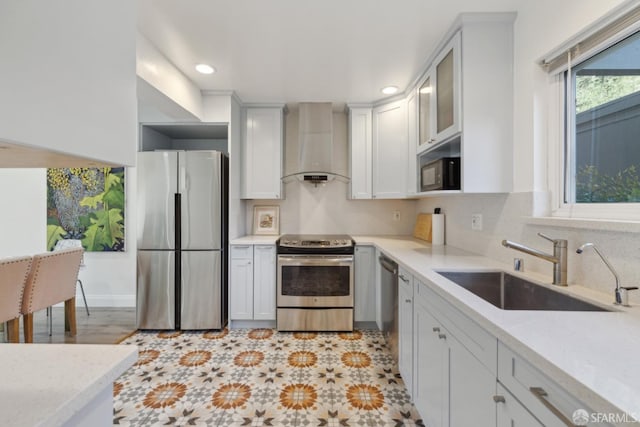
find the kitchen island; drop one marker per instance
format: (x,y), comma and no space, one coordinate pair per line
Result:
(60,384)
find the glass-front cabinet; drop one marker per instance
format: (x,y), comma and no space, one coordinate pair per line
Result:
(425,94)
(440,94)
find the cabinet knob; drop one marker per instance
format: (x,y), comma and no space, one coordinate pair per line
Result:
(407,300)
(498,398)
(436,329)
(442,336)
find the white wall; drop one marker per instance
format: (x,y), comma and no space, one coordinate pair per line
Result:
(541,26)
(23,215)
(157,71)
(68,77)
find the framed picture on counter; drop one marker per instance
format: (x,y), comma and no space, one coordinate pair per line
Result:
(266,220)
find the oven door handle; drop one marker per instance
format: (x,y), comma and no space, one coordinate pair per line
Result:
(307,260)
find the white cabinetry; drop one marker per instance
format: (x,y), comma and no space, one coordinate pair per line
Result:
(405,327)
(440,94)
(390,150)
(412,143)
(431,366)
(252,282)
(453,380)
(511,413)
(262,153)
(241,283)
(264,282)
(365,284)
(545,399)
(360,152)
(466,102)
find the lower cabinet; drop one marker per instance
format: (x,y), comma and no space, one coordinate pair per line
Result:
(430,368)
(458,374)
(264,282)
(510,413)
(405,328)
(252,282)
(547,401)
(452,387)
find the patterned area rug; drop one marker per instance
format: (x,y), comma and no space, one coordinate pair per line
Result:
(261,377)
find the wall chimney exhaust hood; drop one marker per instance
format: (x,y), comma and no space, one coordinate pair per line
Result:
(315,144)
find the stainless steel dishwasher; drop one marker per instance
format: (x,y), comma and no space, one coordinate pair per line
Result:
(389,302)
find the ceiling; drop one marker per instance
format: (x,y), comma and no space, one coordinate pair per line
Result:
(22,156)
(303,50)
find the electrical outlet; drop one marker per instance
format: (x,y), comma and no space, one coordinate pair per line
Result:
(396,215)
(476,222)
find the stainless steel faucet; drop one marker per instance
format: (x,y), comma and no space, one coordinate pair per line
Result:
(559,257)
(608,264)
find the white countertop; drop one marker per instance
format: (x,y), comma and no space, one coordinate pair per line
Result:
(46,384)
(254,240)
(593,355)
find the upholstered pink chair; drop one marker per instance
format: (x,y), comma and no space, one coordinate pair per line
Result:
(13,276)
(52,279)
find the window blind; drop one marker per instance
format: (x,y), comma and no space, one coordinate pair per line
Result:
(620,23)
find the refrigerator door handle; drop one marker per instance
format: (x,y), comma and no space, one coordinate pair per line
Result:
(183,179)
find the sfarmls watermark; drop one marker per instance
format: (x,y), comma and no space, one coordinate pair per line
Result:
(582,418)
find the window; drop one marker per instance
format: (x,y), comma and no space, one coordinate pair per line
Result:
(602,144)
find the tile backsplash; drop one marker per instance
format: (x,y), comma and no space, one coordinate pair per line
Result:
(505,217)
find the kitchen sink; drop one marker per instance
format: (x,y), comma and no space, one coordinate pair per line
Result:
(509,292)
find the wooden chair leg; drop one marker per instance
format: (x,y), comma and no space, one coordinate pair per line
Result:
(70,316)
(28,327)
(13,330)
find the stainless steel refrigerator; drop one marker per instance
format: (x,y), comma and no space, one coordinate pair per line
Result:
(182,236)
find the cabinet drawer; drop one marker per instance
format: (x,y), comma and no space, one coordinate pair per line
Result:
(241,251)
(472,336)
(545,399)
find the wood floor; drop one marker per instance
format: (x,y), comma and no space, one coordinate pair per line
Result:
(103,326)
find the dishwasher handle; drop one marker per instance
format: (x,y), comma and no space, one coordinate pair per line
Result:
(388,265)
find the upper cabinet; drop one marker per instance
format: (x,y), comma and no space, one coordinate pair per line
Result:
(412,143)
(360,152)
(390,150)
(461,106)
(466,102)
(439,95)
(262,139)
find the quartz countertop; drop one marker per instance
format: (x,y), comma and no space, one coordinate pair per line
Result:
(46,384)
(593,355)
(254,240)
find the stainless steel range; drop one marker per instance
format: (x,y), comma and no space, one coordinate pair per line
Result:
(315,283)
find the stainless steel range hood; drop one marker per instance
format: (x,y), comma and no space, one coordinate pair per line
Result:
(315,144)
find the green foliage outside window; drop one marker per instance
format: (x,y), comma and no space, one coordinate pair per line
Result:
(594,187)
(592,91)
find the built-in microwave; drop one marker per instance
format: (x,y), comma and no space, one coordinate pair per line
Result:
(441,174)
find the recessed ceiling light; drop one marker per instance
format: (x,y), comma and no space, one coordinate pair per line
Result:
(389,90)
(205,69)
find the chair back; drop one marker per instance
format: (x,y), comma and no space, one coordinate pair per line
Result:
(13,277)
(52,279)
(69,243)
